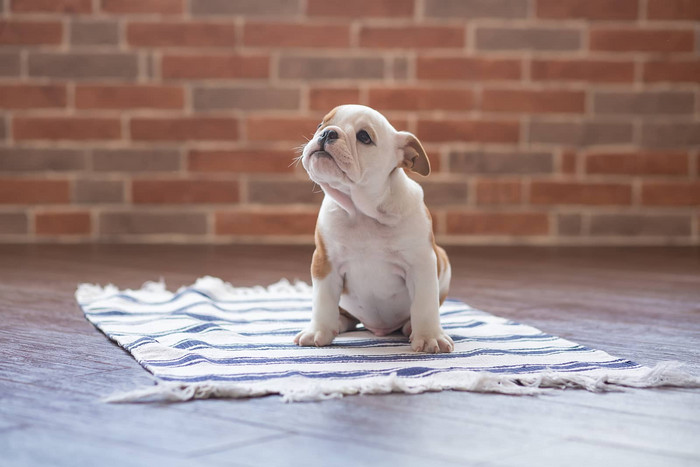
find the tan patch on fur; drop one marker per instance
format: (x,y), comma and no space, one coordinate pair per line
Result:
(440,254)
(320,265)
(415,158)
(327,119)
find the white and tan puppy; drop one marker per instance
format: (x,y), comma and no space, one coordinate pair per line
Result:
(376,261)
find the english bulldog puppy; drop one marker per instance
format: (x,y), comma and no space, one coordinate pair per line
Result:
(376,261)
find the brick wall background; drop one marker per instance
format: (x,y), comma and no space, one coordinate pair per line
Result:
(547,121)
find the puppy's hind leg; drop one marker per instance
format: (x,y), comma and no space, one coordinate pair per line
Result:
(347,321)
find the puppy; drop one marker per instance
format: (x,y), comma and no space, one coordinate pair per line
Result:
(376,261)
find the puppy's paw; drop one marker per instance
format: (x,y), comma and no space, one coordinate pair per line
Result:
(315,337)
(432,343)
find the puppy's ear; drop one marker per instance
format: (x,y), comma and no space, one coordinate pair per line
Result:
(414,156)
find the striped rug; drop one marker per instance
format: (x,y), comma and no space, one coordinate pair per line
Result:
(214,340)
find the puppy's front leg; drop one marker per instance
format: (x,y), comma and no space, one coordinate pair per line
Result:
(426,333)
(325,314)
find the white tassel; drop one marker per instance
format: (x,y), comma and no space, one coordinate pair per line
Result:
(663,374)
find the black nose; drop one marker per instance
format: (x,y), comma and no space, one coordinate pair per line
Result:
(326,136)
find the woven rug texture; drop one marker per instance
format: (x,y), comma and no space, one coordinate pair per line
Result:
(211,339)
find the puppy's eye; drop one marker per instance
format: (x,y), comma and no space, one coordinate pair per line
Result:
(319,125)
(363,137)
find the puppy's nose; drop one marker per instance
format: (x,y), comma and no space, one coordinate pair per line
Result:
(326,136)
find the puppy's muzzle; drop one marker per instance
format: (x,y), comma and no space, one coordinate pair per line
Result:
(326,137)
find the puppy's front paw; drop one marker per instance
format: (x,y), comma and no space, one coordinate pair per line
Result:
(438,342)
(315,337)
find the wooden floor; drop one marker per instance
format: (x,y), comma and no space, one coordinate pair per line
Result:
(643,304)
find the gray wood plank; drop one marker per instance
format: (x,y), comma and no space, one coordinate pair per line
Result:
(309,450)
(152,427)
(636,303)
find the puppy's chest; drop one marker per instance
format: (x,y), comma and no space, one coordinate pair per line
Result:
(358,243)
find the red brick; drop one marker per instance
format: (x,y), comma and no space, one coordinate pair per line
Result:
(684,10)
(280,129)
(184,129)
(282,222)
(641,40)
(414,37)
(503,100)
(495,192)
(181,34)
(295,35)
(241,161)
(30,191)
(361,8)
(638,164)
(215,66)
(30,32)
(63,223)
(184,191)
(673,71)
(482,131)
(161,7)
(129,97)
(32,96)
(66,128)
(569,162)
(594,194)
(595,71)
(412,98)
(671,194)
(325,99)
(51,6)
(588,9)
(469,69)
(497,223)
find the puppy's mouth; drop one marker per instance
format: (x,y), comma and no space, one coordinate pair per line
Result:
(321,154)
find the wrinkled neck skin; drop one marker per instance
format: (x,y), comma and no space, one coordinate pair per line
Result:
(386,202)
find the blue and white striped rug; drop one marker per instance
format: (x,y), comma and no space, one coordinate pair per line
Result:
(213,340)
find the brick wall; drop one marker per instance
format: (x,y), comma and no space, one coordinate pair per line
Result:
(547,121)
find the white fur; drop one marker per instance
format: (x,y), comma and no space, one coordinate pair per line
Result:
(377,236)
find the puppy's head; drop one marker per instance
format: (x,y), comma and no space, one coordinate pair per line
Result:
(356,145)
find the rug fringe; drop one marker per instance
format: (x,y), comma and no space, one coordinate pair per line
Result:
(223,289)
(665,374)
(157,291)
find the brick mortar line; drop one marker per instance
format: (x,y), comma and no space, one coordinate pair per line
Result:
(447,240)
(419,11)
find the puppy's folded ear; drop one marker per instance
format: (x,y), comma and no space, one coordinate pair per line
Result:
(414,156)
